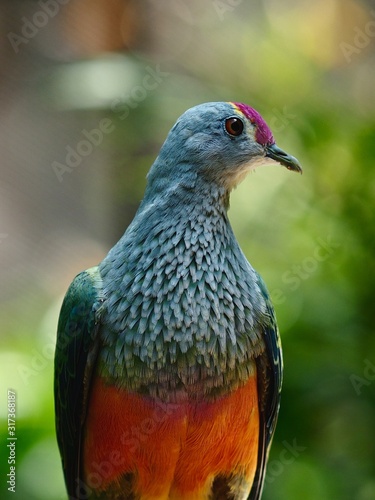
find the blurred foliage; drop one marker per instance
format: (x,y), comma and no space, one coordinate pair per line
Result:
(311,237)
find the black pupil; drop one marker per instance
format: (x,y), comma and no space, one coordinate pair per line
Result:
(234,126)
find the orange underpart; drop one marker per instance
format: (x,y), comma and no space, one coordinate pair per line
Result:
(173,450)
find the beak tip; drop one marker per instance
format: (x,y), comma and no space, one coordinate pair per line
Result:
(288,161)
(295,168)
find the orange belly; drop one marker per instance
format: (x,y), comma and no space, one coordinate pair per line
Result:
(173,450)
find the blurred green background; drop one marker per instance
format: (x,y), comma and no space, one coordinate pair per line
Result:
(308,67)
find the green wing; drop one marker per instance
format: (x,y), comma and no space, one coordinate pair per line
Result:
(270,373)
(76,349)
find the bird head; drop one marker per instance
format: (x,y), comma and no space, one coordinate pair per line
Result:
(218,142)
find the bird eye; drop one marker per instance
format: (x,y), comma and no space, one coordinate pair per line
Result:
(234,126)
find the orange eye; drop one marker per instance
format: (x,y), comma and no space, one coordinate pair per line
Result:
(234,126)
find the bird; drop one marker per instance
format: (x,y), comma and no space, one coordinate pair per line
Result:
(168,362)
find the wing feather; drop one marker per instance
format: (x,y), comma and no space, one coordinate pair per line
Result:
(269,372)
(76,349)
